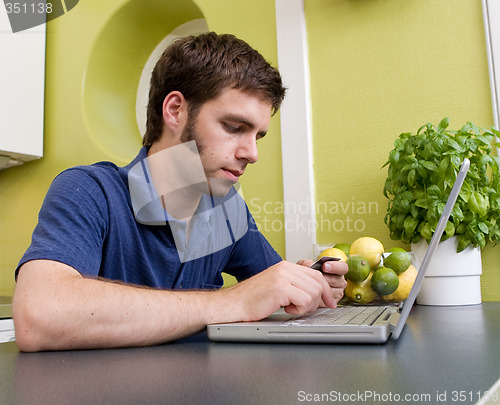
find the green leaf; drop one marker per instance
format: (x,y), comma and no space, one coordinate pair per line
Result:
(495,201)
(405,238)
(457,213)
(411,177)
(432,215)
(475,129)
(421,128)
(415,238)
(395,235)
(440,207)
(430,166)
(406,167)
(438,145)
(449,229)
(428,151)
(434,191)
(394,157)
(445,122)
(486,140)
(461,139)
(414,210)
(409,225)
(460,229)
(427,231)
(422,172)
(443,166)
(400,218)
(423,203)
(448,184)
(466,128)
(465,192)
(455,161)
(463,242)
(483,227)
(485,160)
(456,146)
(478,239)
(407,195)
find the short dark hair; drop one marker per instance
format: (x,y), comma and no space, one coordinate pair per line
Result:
(201,67)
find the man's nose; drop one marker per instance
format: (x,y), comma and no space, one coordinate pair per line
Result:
(248,150)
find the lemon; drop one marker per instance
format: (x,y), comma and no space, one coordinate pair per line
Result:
(333,252)
(406,281)
(359,269)
(343,246)
(360,293)
(369,248)
(398,261)
(385,281)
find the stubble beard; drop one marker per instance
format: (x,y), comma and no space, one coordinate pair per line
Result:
(216,187)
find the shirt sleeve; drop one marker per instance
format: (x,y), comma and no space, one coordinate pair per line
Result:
(72,224)
(251,254)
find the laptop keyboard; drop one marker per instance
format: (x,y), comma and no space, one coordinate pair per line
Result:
(349,315)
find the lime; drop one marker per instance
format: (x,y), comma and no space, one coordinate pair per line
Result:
(360,293)
(333,252)
(359,269)
(398,261)
(406,281)
(343,246)
(370,248)
(385,281)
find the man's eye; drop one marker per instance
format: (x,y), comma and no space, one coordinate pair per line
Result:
(231,128)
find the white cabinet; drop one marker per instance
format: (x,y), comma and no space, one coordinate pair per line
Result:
(22,84)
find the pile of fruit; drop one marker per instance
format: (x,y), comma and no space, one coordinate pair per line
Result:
(374,272)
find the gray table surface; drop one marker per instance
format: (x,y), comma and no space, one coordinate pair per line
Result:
(444,355)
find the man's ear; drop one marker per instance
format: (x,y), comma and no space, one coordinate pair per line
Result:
(174,110)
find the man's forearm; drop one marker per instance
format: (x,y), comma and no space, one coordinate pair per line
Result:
(57,309)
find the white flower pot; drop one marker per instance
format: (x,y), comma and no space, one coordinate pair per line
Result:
(452,278)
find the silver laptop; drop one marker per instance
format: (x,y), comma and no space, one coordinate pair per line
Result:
(344,324)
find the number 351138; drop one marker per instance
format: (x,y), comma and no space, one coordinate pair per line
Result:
(32,8)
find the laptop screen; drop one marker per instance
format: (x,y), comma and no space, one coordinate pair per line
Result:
(436,238)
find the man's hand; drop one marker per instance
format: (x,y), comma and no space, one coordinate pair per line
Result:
(334,272)
(296,288)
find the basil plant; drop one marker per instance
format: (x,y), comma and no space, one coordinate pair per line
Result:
(422,170)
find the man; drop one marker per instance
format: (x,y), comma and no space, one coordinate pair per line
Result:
(133,256)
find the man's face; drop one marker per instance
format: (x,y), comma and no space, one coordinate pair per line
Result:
(226,130)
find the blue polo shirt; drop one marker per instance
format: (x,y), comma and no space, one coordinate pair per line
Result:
(88,222)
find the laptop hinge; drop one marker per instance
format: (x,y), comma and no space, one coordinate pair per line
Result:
(393,319)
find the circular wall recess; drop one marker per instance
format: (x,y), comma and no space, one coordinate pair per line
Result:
(193,27)
(120,63)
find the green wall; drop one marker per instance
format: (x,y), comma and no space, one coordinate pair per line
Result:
(387,67)
(95,56)
(378,68)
